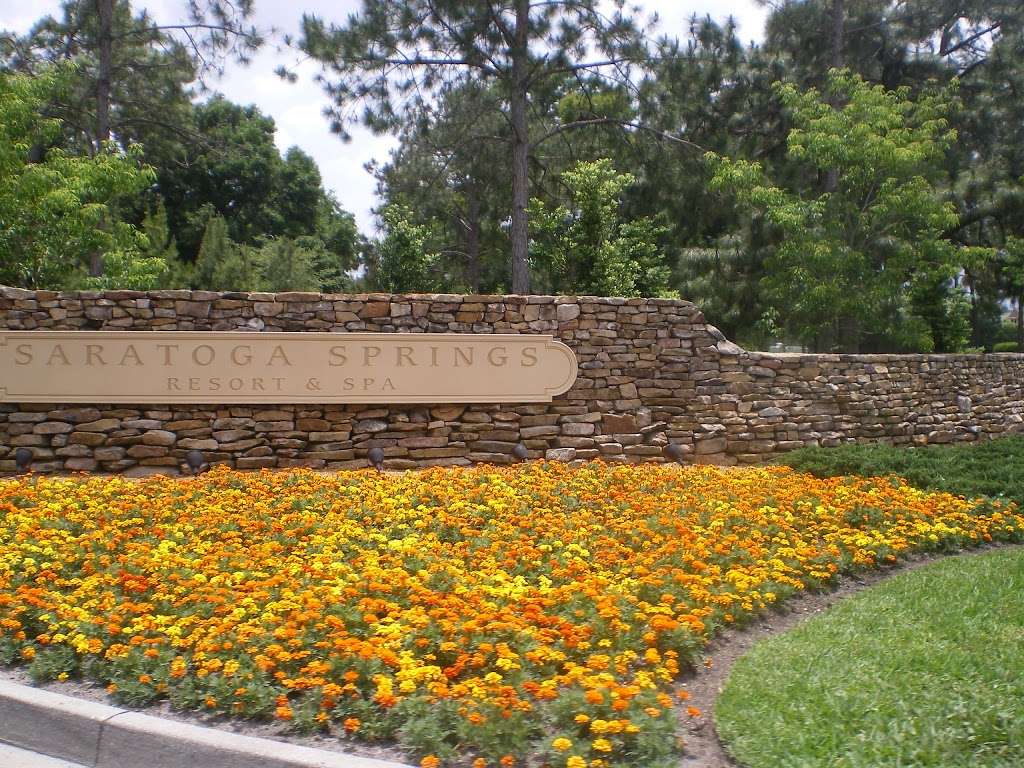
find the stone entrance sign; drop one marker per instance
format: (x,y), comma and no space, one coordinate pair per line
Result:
(238,367)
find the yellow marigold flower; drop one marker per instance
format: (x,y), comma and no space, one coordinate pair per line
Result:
(472,586)
(601,745)
(562,744)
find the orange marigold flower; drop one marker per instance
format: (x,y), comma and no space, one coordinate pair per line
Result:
(430,761)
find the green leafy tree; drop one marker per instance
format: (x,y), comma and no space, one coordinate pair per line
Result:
(449,168)
(242,270)
(222,264)
(400,261)
(851,266)
(335,245)
(287,266)
(713,93)
(55,208)
(237,172)
(160,244)
(392,58)
(586,247)
(1013,277)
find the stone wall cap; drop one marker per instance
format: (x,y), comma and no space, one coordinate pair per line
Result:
(301,296)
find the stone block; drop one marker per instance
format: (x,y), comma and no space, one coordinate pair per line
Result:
(110,453)
(560,454)
(100,425)
(711,445)
(81,464)
(159,437)
(75,415)
(567,312)
(375,309)
(448,413)
(52,428)
(146,451)
(87,438)
(618,424)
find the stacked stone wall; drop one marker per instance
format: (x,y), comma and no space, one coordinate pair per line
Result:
(651,371)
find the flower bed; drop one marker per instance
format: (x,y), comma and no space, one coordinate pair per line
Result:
(480,616)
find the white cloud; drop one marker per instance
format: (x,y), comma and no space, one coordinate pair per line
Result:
(297,108)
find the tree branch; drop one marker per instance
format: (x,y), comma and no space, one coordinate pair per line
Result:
(969,40)
(622,124)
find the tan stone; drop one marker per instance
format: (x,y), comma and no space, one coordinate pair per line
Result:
(159,437)
(618,424)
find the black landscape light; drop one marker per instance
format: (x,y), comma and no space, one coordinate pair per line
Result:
(376,457)
(195,461)
(22,459)
(673,452)
(519,452)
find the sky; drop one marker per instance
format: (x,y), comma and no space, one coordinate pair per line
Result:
(297,108)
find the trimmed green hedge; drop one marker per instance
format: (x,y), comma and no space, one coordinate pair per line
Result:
(991,468)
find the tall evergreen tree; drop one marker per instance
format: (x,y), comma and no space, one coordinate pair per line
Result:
(393,57)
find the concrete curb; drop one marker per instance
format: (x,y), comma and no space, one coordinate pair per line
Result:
(101,736)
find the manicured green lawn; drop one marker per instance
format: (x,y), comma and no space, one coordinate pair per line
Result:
(991,468)
(926,669)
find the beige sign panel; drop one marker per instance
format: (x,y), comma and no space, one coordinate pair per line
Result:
(236,367)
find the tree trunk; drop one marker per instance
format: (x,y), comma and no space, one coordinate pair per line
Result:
(520,152)
(105,11)
(838,12)
(473,267)
(838,21)
(1020,323)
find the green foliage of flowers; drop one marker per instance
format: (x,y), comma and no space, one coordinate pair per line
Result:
(504,616)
